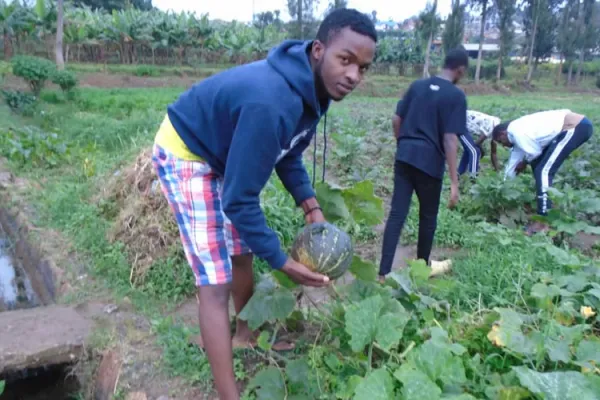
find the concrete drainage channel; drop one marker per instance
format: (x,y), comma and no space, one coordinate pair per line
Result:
(39,340)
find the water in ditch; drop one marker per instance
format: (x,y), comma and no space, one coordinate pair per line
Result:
(16,292)
(15,286)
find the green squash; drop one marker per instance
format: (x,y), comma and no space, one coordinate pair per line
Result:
(323,248)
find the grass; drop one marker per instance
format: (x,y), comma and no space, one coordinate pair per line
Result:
(104,130)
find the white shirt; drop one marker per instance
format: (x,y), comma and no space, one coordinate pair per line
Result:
(479,123)
(530,134)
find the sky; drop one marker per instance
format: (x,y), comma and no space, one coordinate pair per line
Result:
(241,10)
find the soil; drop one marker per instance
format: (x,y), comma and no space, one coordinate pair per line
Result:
(371,89)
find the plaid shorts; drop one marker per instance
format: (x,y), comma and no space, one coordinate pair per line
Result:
(209,239)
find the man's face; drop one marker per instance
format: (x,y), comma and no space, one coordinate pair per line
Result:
(459,73)
(503,139)
(341,64)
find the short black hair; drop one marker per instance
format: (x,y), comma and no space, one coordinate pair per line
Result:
(456,58)
(341,18)
(498,129)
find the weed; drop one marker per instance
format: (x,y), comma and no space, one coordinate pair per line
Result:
(30,146)
(20,102)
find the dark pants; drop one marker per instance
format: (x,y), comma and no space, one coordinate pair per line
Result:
(547,164)
(470,157)
(408,179)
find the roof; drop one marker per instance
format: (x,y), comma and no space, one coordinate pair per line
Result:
(486,47)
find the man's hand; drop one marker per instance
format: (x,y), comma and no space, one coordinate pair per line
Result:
(521,167)
(312,211)
(304,276)
(454,196)
(314,216)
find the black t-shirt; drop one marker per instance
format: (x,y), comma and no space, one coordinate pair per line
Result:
(430,108)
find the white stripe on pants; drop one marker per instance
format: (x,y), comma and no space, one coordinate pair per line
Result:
(545,174)
(473,151)
(552,159)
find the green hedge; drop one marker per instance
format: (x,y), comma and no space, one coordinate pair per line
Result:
(488,71)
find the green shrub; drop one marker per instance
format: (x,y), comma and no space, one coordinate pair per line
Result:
(35,70)
(488,70)
(67,80)
(598,81)
(146,70)
(20,102)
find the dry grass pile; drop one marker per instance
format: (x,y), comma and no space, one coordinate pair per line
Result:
(143,220)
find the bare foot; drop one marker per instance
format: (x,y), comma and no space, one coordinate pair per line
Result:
(246,343)
(381,279)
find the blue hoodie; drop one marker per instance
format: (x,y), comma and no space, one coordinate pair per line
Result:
(247,121)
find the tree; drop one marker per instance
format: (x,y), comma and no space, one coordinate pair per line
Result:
(483,4)
(540,29)
(568,34)
(60,60)
(335,4)
(455,27)
(303,12)
(506,10)
(262,21)
(374,16)
(110,5)
(587,39)
(428,28)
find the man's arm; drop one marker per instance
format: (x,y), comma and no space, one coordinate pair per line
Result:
(396,121)
(293,175)
(251,160)
(516,157)
(451,150)
(494,155)
(454,124)
(401,110)
(479,143)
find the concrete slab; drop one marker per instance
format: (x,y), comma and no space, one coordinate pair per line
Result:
(41,336)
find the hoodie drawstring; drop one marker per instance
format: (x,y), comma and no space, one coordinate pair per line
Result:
(324,153)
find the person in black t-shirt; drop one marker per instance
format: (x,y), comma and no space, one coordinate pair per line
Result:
(430,118)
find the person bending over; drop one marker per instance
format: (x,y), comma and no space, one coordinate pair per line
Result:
(479,125)
(217,148)
(432,115)
(543,140)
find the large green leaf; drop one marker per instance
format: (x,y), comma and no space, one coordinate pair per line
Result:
(363,269)
(416,384)
(364,206)
(588,352)
(563,257)
(269,303)
(297,371)
(574,283)
(561,385)
(332,202)
(268,384)
(375,319)
(438,363)
(378,385)
(558,339)
(361,322)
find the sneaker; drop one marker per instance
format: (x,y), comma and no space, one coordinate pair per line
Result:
(440,267)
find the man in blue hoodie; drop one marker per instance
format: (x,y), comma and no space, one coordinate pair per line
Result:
(217,148)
